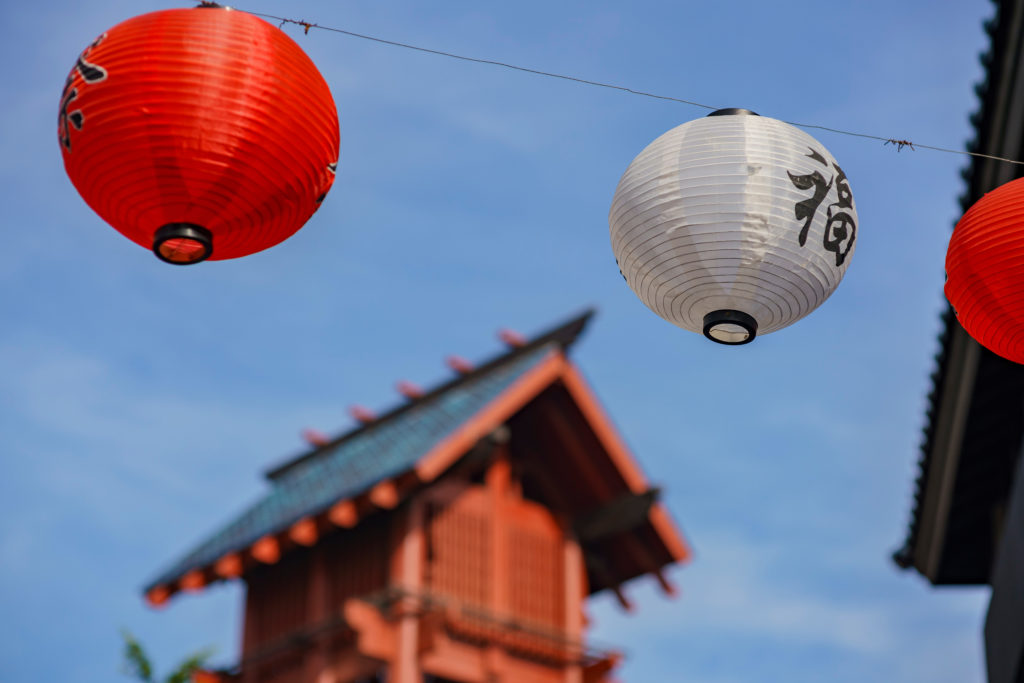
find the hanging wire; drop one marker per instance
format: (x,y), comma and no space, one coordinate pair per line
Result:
(307,25)
(898,143)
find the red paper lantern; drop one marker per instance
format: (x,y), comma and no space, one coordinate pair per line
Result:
(985,271)
(199,133)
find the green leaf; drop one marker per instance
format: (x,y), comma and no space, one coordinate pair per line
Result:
(183,674)
(136,663)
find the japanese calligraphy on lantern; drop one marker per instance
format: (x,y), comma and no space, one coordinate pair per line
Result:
(840,224)
(89,73)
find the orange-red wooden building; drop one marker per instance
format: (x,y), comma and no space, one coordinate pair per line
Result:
(454,539)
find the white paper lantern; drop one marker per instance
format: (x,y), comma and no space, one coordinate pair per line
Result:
(733,225)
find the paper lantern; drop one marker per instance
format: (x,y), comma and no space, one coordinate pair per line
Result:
(985,271)
(733,225)
(199,133)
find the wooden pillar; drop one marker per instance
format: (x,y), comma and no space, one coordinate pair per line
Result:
(575,592)
(249,673)
(497,481)
(318,669)
(407,576)
(1004,627)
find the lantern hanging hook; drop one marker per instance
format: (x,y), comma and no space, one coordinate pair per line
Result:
(900,144)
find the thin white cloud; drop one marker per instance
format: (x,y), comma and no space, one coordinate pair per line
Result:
(732,593)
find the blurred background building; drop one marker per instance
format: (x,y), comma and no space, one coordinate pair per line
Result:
(455,538)
(967,523)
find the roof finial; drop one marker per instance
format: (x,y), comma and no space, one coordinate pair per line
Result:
(511,338)
(315,438)
(459,364)
(409,390)
(363,414)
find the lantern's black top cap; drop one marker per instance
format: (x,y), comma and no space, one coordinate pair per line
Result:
(729,112)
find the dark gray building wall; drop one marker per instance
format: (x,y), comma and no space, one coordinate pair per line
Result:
(1004,624)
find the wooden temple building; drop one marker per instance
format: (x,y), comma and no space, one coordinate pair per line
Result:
(455,538)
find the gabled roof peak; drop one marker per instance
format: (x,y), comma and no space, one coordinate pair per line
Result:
(564,335)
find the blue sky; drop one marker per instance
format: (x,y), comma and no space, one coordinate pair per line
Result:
(140,401)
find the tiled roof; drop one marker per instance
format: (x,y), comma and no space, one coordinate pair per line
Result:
(904,556)
(368,455)
(991,435)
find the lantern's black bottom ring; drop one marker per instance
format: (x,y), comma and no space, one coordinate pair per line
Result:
(730,327)
(182,243)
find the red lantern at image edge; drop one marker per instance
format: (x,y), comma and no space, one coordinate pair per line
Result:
(985,271)
(199,133)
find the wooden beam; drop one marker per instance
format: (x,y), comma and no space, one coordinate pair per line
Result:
(304,532)
(667,587)
(624,602)
(950,422)
(495,662)
(267,550)
(407,574)
(575,578)
(344,514)
(599,670)
(616,448)
(193,580)
(668,533)
(158,596)
(385,495)
(317,665)
(641,553)
(229,566)
(375,636)
(603,428)
(497,480)
(602,571)
(444,491)
(506,404)
(456,660)
(352,665)
(621,514)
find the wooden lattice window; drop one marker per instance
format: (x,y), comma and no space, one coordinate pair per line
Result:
(536,576)
(459,553)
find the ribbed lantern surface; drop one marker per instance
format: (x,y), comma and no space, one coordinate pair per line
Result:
(985,271)
(733,225)
(192,126)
